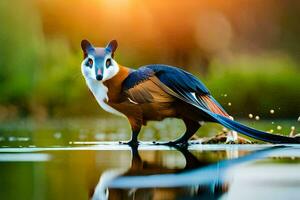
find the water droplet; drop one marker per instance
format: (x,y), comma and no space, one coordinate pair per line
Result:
(272,111)
(225,95)
(250,116)
(257,117)
(272,123)
(229,103)
(271,131)
(279,127)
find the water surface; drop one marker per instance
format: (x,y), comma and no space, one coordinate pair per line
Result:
(111,171)
(72,162)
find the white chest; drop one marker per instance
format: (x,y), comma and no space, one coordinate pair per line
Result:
(99,90)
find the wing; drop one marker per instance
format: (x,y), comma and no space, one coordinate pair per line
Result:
(187,87)
(140,87)
(159,83)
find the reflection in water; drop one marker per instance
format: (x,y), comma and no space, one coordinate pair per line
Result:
(197,179)
(152,173)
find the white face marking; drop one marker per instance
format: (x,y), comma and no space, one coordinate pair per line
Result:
(108,73)
(98,89)
(111,71)
(88,72)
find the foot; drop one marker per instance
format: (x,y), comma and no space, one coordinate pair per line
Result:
(130,143)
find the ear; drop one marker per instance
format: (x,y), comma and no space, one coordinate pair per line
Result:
(85,46)
(112,46)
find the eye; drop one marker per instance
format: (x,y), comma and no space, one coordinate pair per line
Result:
(89,63)
(108,63)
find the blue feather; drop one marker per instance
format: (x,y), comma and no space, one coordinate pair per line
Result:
(177,78)
(137,76)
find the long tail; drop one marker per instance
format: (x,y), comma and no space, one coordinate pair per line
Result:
(214,111)
(218,114)
(251,132)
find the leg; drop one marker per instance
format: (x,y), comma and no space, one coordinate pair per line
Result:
(134,138)
(191,128)
(135,127)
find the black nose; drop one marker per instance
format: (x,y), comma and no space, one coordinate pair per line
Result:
(99,77)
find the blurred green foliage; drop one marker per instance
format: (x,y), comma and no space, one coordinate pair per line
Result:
(40,74)
(256,85)
(20,41)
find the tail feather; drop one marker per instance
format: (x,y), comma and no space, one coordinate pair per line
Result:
(213,105)
(251,132)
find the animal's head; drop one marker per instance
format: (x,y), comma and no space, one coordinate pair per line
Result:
(98,63)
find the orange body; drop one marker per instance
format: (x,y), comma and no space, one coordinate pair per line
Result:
(162,106)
